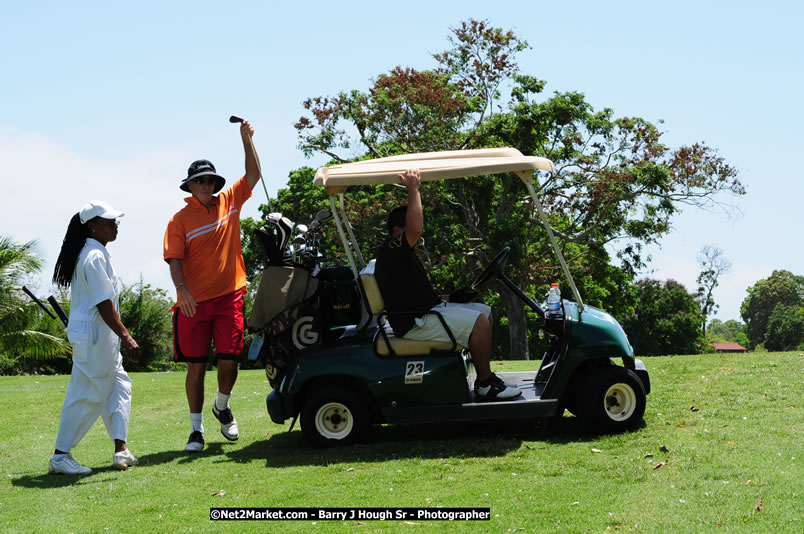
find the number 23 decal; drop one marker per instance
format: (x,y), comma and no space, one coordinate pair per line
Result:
(414,372)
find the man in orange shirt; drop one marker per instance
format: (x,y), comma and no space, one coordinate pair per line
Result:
(202,247)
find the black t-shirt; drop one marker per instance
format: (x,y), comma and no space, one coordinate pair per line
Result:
(403,283)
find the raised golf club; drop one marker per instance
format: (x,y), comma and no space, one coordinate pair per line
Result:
(234,119)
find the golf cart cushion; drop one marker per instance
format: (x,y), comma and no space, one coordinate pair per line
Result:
(373,295)
(409,347)
(400,345)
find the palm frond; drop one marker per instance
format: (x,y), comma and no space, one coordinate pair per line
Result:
(34,344)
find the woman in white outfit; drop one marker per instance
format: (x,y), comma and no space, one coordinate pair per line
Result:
(99,386)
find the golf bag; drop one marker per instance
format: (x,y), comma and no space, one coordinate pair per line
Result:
(297,308)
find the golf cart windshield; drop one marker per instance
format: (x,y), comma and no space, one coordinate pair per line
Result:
(433,166)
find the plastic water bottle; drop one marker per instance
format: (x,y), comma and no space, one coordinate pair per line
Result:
(554,302)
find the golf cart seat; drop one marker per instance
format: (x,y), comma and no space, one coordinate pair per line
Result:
(385,342)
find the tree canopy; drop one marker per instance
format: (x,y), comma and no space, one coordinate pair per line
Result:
(713,265)
(666,320)
(774,312)
(616,182)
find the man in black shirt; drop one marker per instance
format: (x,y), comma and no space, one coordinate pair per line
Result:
(405,287)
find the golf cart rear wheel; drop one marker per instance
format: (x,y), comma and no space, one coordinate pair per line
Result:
(333,416)
(612,401)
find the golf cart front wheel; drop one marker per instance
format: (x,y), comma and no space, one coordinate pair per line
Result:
(612,401)
(332,417)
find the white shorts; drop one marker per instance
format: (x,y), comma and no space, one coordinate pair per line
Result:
(460,317)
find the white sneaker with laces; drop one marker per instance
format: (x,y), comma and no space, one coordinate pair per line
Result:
(123,460)
(67,466)
(229,427)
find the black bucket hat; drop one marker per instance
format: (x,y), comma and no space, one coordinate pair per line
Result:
(202,167)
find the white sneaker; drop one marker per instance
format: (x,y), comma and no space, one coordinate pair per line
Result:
(228,424)
(496,389)
(67,466)
(123,460)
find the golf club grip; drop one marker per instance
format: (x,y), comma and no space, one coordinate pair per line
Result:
(54,303)
(33,297)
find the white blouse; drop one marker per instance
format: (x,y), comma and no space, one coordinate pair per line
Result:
(94,281)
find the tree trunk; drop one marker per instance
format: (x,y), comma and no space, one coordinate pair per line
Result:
(517,325)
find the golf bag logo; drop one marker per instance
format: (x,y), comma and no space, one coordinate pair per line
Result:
(303,333)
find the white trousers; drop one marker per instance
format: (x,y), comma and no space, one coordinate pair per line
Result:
(99,386)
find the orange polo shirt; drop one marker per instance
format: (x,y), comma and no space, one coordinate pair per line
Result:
(208,243)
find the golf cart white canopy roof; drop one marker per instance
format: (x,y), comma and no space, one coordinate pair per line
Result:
(433,166)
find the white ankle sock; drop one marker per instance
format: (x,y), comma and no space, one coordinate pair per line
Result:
(222,402)
(197,420)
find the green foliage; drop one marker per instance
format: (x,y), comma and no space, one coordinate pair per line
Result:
(615,180)
(666,320)
(145,311)
(785,328)
(730,331)
(23,335)
(773,311)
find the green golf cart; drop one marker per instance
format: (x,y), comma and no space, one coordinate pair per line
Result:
(340,373)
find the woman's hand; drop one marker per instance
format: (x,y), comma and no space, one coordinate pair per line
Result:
(130,348)
(112,320)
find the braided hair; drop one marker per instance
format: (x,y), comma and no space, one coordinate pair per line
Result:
(74,240)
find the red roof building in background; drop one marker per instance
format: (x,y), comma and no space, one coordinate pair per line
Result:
(728,347)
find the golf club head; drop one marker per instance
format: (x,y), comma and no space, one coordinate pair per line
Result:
(323,215)
(302,228)
(283,225)
(234,118)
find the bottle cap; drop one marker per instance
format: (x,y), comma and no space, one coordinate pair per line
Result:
(554,284)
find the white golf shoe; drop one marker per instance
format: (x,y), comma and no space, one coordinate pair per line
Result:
(123,460)
(67,466)
(229,427)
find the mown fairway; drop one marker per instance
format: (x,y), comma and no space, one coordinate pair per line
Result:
(721,450)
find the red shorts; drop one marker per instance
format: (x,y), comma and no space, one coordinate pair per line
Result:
(219,319)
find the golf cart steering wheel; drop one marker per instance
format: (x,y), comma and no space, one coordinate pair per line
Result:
(492,269)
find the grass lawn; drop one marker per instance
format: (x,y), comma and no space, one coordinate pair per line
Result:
(721,450)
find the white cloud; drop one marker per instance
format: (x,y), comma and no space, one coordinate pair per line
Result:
(47,184)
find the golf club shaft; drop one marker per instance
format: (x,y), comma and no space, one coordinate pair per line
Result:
(259,171)
(235,119)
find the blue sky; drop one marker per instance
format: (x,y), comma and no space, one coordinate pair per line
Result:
(113,101)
